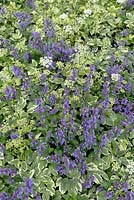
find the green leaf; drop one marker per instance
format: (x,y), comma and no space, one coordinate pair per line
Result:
(41,164)
(31,108)
(101,195)
(46,195)
(98,178)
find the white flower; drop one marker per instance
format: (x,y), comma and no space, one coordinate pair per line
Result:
(68,28)
(94,1)
(87,12)
(121,1)
(46,61)
(64,16)
(115,77)
(80,20)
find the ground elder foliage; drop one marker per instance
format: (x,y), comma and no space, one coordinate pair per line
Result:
(67,100)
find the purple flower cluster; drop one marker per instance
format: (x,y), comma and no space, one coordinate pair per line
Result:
(2,10)
(24,19)
(4,196)
(87,84)
(18,193)
(29,187)
(28,57)
(40,108)
(88,184)
(41,149)
(14,136)
(8,172)
(104,140)
(109,194)
(10,92)
(36,42)
(31,4)
(59,51)
(61,136)
(49,28)
(129,4)
(17,71)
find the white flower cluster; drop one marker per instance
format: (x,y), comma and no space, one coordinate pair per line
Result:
(121,1)
(87,12)
(68,29)
(46,61)
(64,16)
(130,167)
(115,77)
(94,1)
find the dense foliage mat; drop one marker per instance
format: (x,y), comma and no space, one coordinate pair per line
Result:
(67,99)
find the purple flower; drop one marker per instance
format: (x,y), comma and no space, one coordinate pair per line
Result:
(61,170)
(92,68)
(29,186)
(36,42)
(25,85)
(4,196)
(66,91)
(15,53)
(105,89)
(129,196)
(66,106)
(78,155)
(104,140)
(38,197)
(49,28)
(125,186)
(25,19)
(66,161)
(74,75)
(10,92)
(88,184)
(41,148)
(56,158)
(28,57)
(76,91)
(129,4)
(52,99)
(63,122)
(47,5)
(43,78)
(61,51)
(31,4)
(16,70)
(83,168)
(113,58)
(61,136)
(8,172)
(39,101)
(2,10)
(87,83)
(72,164)
(53,111)
(109,194)
(125,32)
(18,193)
(40,110)
(45,89)
(128,87)
(14,136)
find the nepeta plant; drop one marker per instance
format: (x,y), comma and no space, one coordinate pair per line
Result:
(66,99)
